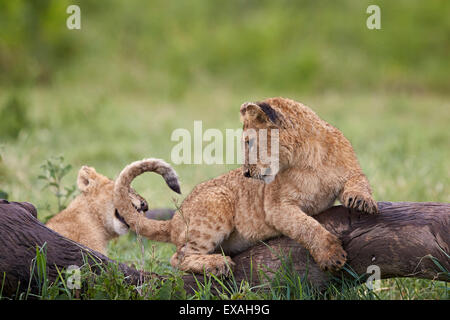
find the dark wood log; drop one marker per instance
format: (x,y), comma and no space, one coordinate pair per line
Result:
(400,241)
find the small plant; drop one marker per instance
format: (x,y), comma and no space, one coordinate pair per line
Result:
(53,172)
(39,272)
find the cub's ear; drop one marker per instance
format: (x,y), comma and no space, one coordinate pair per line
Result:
(261,112)
(87,177)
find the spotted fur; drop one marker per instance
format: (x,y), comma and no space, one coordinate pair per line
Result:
(317,165)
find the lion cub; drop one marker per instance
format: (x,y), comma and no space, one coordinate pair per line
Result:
(91,218)
(316,165)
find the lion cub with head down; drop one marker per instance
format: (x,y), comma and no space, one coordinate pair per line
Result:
(316,165)
(91,218)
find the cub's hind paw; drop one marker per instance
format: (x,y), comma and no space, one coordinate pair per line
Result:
(215,264)
(360,201)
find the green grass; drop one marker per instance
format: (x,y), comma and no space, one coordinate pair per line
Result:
(113,93)
(285,283)
(401,141)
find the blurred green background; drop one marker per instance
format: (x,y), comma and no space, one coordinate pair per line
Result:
(114,91)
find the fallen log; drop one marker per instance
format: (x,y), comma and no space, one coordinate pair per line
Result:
(400,240)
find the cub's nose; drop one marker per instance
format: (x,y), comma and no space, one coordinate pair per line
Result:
(247,173)
(144,206)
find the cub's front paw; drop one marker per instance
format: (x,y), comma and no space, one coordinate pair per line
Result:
(330,256)
(360,201)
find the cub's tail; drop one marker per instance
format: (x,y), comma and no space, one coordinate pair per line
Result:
(152,229)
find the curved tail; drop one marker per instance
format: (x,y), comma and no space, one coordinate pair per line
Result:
(152,229)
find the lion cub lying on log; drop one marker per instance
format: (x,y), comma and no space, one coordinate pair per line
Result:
(91,218)
(316,164)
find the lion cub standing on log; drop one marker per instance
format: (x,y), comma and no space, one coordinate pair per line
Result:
(316,165)
(91,218)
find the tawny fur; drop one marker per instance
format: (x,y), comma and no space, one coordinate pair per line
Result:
(317,165)
(90,219)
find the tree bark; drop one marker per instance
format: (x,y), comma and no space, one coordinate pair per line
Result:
(400,240)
